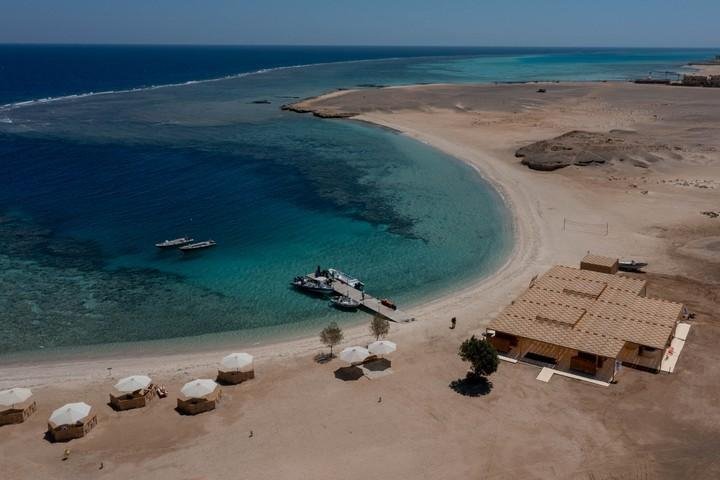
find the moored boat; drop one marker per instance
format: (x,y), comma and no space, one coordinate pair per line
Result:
(312,285)
(175,242)
(198,246)
(345,278)
(344,302)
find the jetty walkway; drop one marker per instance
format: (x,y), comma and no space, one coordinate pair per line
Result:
(368,302)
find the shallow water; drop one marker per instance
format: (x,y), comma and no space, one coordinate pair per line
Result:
(90,184)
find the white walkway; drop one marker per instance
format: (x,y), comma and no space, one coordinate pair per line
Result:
(547,373)
(672,353)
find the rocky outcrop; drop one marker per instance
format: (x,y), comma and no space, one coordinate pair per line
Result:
(303,107)
(587,148)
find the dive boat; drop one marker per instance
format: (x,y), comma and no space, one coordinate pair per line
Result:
(344,302)
(197,246)
(176,242)
(346,279)
(312,285)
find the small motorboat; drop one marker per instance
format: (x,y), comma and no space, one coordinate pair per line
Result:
(388,303)
(631,265)
(197,246)
(175,242)
(343,302)
(313,285)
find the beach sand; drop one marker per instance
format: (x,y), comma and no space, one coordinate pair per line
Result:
(306,423)
(706,69)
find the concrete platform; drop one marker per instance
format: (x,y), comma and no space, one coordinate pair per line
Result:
(547,373)
(672,354)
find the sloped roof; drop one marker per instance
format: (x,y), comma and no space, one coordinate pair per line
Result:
(589,311)
(599,260)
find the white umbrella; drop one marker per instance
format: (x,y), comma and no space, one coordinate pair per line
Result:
(238,362)
(70,414)
(199,388)
(133,383)
(382,347)
(354,354)
(8,398)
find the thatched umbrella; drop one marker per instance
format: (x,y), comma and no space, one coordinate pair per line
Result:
(199,396)
(16,405)
(70,414)
(133,383)
(237,362)
(9,398)
(236,368)
(199,388)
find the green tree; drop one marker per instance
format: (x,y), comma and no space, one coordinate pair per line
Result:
(331,336)
(379,327)
(481,355)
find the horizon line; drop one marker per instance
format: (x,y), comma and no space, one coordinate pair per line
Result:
(318,45)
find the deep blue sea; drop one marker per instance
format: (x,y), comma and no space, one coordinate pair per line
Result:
(105,150)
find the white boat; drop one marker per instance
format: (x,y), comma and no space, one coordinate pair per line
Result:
(198,246)
(312,285)
(344,302)
(175,242)
(346,279)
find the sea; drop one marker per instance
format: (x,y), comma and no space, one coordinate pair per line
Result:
(106,150)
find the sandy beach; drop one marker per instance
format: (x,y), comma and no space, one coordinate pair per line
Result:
(706,69)
(648,189)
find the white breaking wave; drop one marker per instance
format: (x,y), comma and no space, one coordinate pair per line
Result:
(25,103)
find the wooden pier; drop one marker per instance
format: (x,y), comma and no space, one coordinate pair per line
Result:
(368,302)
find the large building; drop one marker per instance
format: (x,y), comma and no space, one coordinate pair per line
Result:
(588,320)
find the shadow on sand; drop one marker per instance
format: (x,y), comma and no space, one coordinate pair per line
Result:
(323,358)
(348,373)
(378,365)
(472,386)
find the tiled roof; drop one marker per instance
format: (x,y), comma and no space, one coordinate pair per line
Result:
(599,260)
(589,311)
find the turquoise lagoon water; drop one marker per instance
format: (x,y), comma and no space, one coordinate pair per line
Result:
(90,183)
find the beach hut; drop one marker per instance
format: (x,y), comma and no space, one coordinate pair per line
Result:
(16,405)
(73,420)
(198,396)
(135,391)
(236,368)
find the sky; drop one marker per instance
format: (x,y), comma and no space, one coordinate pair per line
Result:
(631,23)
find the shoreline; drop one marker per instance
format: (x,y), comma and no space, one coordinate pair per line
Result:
(188,352)
(530,249)
(649,196)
